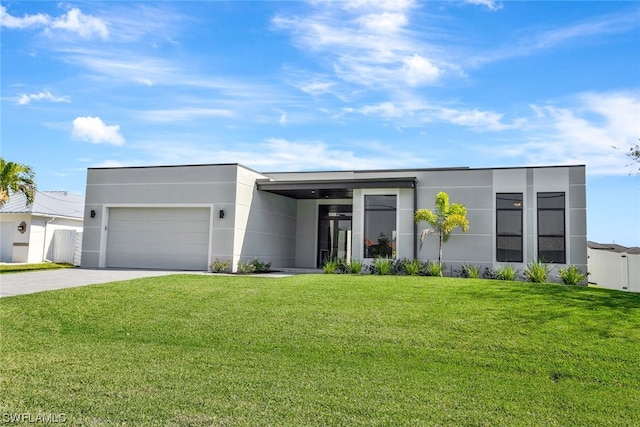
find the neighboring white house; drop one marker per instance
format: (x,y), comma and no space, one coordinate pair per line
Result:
(184,217)
(49,229)
(613,266)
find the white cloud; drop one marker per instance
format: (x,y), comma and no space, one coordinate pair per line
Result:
(94,130)
(419,70)
(183,114)
(276,154)
(584,133)
(386,110)
(533,43)
(369,43)
(383,22)
(144,81)
(86,26)
(476,119)
(74,21)
(489,4)
(27,21)
(116,164)
(378,5)
(316,85)
(283,118)
(416,113)
(45,95)
(283,154)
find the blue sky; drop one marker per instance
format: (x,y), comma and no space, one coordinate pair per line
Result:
(328,85)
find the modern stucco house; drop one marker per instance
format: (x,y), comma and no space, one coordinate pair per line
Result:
(39,232)
(184,217)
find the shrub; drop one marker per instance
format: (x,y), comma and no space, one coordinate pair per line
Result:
(355,266)
(382,266)
(506,272)
(218,266)
(536,272)
(490,273)
(397,266)
(343,265)
(433,268)
(572,275)
(470,271)
(413,267)
(255,266)
(261,267)
(330,266)
(246,267)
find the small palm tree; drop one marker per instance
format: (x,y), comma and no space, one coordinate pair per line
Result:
(443,221)
(16,178)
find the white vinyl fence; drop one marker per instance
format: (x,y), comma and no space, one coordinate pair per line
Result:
(614,270)
(67,246)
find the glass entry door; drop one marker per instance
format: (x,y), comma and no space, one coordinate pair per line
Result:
(334,232)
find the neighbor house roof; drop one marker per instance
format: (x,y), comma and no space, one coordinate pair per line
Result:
(613,247)
(47,203)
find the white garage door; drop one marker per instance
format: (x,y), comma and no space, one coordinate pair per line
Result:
(163,238)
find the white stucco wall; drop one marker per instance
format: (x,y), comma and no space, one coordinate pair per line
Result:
(42,232)
(35,245)
(14,246)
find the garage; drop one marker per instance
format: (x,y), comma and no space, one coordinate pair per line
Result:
(158,237)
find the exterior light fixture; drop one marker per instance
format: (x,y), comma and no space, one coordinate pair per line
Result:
(93,213)
(221,213)
(22,227)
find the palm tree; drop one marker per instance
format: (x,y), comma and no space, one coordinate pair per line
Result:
(444,220)
(16,178)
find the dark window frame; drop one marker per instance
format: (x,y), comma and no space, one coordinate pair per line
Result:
(516,198)
(548,194)
(391,251)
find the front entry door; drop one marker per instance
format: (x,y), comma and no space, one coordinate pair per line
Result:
(334,232)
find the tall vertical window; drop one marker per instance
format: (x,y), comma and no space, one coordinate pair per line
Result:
(551,228)
(509,227)
(379,226)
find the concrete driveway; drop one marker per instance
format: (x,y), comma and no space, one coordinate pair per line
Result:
(46,280)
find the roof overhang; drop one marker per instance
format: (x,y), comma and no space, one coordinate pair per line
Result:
(330,188)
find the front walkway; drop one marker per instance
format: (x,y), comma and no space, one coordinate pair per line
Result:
(30,282)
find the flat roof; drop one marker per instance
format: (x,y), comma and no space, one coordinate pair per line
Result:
(354,171)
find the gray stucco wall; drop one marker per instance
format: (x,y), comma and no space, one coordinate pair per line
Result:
(265,224)
(476,189)
(212,186)
(255,224)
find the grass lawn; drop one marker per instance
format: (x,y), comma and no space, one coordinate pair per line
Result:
(17,268)
(323,350)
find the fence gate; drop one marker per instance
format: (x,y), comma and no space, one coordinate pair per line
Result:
(67,246)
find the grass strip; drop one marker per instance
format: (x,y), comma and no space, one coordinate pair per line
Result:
(17,268)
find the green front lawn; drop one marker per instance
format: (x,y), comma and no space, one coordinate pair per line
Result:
(323,350)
